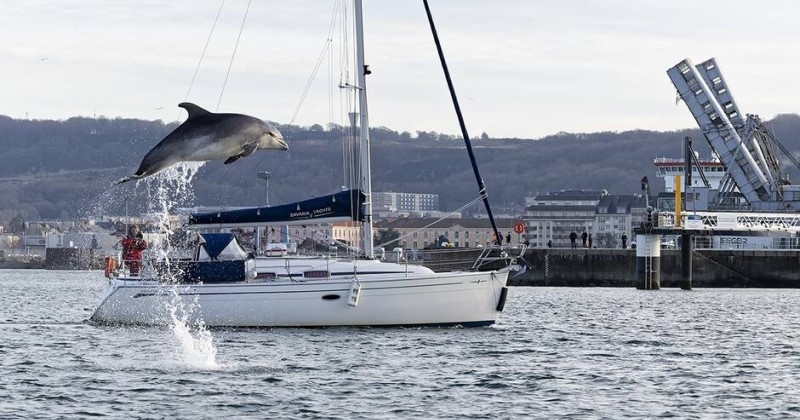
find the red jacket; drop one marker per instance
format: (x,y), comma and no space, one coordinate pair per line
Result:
(132,248)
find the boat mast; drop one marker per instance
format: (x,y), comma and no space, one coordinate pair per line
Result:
(364,152)
(481,186)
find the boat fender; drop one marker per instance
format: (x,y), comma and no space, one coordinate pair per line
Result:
(502,302)
(111,264)
(355,290)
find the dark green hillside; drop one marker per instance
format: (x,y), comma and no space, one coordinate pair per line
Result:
(52,169)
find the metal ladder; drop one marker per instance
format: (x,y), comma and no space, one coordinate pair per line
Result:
(648,265)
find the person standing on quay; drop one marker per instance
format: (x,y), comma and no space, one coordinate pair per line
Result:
(624,241)
(584,238)
(572,238)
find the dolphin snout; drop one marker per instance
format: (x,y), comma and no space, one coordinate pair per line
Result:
(282,145)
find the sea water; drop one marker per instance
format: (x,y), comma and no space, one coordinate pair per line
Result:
(555,352)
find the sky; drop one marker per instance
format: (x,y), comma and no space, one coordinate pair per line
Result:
(521,68)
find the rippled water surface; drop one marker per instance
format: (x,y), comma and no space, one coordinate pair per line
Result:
(556,352)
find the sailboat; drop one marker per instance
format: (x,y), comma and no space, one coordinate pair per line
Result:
(288,291)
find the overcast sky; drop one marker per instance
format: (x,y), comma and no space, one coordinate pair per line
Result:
(521,68)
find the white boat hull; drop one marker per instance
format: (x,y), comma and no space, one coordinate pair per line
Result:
(461,298)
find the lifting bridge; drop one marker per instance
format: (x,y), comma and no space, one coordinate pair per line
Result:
(743,144)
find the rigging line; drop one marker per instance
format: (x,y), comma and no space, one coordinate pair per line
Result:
(434,222)
(328,41)
(320,59)
(236,47)
(203,54)
(331,30)
(310,81)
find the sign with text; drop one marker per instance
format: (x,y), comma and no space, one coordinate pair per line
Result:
(726,221)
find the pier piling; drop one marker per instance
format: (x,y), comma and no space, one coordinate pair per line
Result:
(686,262)
(648,262)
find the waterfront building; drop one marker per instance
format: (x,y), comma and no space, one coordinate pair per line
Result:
(401,202)
(617,215)
(418,233)
(551,218)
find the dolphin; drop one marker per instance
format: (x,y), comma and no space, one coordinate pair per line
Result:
(209,136)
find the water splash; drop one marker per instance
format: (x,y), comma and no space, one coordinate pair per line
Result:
(166,191)
(197,346)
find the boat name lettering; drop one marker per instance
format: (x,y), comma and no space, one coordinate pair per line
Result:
(312,213)
(325,210)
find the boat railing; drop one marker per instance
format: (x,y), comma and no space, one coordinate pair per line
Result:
(466,259)
(505,257)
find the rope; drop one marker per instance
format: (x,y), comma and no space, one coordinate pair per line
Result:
(326,46)
(325,49)
(202,56)
(236,47)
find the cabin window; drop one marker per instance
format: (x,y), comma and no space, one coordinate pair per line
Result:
(267,276)
(316,274)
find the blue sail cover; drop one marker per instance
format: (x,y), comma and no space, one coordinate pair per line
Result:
(342,206)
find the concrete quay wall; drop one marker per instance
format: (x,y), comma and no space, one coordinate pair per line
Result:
(617,267)
(21,262)
(72,259)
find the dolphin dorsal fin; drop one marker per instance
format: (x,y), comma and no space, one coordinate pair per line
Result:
(193,110)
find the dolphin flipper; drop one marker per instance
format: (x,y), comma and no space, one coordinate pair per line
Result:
(249,149)
(232,159)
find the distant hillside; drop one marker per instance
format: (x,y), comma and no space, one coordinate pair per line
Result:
(59,169)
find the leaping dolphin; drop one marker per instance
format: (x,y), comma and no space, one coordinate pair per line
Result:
(209,136)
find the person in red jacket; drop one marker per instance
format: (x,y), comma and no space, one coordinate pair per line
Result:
(132,247)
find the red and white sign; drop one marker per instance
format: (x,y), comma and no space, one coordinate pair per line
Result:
(519,227)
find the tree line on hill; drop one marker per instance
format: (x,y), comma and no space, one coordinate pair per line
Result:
(65,169)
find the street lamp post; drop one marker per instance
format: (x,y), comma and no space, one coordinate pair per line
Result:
(265,175)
